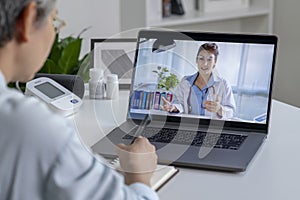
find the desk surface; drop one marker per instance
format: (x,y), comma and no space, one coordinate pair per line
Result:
(272,174)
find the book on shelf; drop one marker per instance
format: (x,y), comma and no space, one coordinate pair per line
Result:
(169,97)
(147,100)
(161,175)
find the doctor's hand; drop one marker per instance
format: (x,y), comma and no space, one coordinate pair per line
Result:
(168,106)
(138,160)
(214,106)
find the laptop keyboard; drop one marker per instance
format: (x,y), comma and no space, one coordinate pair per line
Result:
(194,138)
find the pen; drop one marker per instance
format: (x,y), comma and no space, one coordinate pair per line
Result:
(141,127)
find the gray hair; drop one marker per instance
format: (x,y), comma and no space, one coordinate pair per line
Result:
(10,11)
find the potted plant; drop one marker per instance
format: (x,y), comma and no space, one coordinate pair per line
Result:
(166,80)
(64,57)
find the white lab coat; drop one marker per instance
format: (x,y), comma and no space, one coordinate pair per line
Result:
(220,87)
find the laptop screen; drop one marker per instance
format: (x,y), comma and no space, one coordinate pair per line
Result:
(203,75)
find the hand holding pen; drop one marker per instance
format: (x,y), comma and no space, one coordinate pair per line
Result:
(139,159)
(141,128)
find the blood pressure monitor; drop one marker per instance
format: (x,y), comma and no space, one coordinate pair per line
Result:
(57,97)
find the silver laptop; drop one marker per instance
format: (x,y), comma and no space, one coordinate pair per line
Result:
(203,99)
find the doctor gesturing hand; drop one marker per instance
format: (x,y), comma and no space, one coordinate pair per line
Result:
(214,106)
(168,106)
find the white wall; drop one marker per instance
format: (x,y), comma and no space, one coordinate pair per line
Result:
(101,15)
(287,27)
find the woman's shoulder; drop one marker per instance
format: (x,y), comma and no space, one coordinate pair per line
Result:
(218,78)
(189,78)
(192,76)
(18,104)
(32,129)
(222,82)
(31,120)
(185,81)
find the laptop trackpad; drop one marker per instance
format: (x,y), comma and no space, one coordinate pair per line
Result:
(168,153)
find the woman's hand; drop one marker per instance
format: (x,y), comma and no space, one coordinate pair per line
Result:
(138,160)
(214,106)
(168,106)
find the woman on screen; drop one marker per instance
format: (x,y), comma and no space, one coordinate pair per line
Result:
(204,93)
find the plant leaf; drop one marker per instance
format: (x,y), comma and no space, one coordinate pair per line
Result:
(83,31)
(50,67)
(63,43)
(55,51)
(84,67)
(69,57)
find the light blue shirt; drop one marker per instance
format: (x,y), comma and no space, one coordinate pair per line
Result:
(198,96)
(42,157)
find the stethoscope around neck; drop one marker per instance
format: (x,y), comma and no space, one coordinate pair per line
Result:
(206,93)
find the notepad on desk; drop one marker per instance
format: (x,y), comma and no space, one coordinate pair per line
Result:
(161,175)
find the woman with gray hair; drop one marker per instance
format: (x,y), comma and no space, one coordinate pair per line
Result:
(41,154)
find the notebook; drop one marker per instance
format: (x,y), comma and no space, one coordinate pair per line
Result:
(161,175)
(218,125)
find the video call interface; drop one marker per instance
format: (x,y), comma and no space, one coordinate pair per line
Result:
(203,79)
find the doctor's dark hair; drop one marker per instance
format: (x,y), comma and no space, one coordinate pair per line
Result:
(211,48)
(11,11)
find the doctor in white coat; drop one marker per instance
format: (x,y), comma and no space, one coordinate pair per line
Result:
(204,93)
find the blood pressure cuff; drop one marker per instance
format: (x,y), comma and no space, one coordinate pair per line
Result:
(74,83)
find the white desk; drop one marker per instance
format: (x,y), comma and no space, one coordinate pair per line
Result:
(273,174)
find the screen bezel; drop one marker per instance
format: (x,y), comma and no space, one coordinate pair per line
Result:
(217,37)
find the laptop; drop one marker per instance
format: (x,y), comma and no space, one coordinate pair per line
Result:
(166,69)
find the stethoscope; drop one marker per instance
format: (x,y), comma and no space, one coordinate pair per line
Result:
(206,92)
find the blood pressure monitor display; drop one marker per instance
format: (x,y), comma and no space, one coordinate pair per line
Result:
(49,90)
(58,98)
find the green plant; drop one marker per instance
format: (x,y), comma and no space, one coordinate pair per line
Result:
(64,57)
(165,81)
